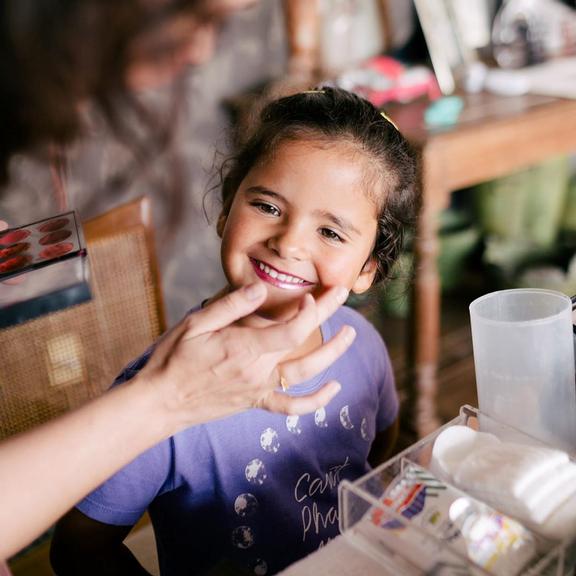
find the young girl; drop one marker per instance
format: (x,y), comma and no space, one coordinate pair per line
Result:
(319,195)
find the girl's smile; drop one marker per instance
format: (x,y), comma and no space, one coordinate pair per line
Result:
(282,280)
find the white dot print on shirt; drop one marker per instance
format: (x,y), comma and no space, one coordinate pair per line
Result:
(293,425)
(364,429)
(242,537)
(345,418)
(320,418)
(260,568)
(246,505)
(269,440)
(256,472)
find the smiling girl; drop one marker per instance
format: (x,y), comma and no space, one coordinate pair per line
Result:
(320,195)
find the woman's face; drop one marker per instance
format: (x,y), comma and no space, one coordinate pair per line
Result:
(181,41)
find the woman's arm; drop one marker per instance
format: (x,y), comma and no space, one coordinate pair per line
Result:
(201,370)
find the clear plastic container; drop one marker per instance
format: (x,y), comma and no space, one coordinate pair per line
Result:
(415,547)
(524,362)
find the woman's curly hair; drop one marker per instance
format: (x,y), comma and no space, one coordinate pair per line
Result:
(56,54)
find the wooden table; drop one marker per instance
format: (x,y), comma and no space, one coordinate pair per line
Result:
(494,136)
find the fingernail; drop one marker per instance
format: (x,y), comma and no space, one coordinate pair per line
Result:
(349,334)
(335,387)
(254,291)
(342,295)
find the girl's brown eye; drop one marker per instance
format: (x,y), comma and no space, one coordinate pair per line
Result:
(266,208)
(331,235)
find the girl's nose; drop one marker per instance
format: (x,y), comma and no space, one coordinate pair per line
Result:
(289,243)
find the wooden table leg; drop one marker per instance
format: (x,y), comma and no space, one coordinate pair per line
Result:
(425,329)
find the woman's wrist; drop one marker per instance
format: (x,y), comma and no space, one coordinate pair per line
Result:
(147,401)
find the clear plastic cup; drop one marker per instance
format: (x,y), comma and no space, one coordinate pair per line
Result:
(524,360)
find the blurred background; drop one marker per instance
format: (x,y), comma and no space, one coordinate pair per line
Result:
(303,43)
(438,67)
(427,63)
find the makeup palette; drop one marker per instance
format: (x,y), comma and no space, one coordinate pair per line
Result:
(43,268)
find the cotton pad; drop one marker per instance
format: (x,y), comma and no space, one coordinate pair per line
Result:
(453,445)
(531,483)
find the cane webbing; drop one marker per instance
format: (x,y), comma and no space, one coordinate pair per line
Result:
(58,361)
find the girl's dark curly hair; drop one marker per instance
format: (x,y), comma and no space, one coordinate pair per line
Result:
(334,115)
(55,54)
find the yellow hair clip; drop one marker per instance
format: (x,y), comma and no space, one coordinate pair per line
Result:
(387,118)
(312,92)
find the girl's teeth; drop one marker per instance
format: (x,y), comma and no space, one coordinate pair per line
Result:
(279,275)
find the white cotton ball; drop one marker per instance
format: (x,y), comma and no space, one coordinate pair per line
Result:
(453,445)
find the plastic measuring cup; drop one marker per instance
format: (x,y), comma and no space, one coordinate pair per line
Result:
(524,361)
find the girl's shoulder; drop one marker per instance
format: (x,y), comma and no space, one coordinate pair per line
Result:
(367,336)
(368,349)
(348,316)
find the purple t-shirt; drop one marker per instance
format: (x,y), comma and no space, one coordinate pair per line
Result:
(257,489)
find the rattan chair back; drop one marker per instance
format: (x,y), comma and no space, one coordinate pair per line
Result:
(58,361)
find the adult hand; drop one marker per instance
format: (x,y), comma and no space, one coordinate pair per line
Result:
(206,368)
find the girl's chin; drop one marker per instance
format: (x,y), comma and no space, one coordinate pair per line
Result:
(276,309)
(267,314)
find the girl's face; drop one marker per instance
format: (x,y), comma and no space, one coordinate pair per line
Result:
(301,221)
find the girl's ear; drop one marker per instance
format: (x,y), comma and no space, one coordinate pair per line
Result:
(366,276)
(221,224)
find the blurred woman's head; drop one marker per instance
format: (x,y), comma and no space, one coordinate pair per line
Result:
(187,38)
(55,54)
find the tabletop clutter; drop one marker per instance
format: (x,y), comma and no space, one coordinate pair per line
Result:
(534,484)
(463,501)
(494,490)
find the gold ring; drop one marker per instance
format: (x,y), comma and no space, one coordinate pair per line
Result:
(284,384)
